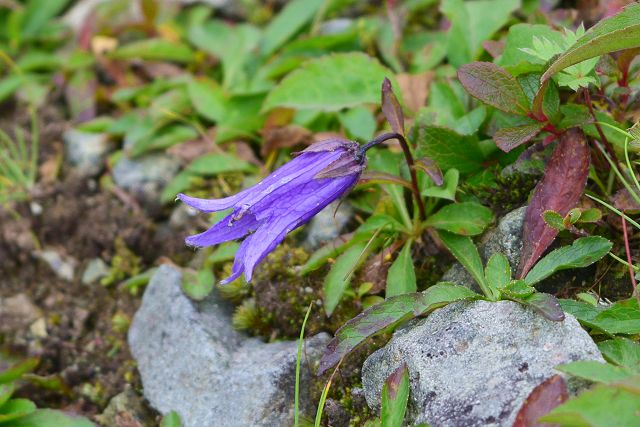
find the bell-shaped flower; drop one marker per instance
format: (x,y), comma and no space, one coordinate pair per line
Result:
(283,201)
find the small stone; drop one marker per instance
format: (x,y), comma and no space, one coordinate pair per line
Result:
(86,151)
(96,269)
(127,406)
(474,363)
(39,328)
(17,313)
(191,360)
(63,266)
(336,26)
(327,224)
(144,177)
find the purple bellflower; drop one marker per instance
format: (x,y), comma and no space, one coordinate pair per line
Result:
(280,203)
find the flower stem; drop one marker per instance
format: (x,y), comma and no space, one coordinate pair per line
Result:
(409,157)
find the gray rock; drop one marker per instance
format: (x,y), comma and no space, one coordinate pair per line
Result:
(191,360)
(17,313)
(327,224)
(506,237)
(96,269)
(145,177)
(473,364)
(87,152)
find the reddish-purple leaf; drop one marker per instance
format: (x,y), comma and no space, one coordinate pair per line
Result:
(545,304)
(494,85)
(431,168)
(509,138)
(494,47)
(559,190)
(394,380)
(391,108)
(546,396)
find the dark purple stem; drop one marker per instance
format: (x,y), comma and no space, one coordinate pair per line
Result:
(409,157)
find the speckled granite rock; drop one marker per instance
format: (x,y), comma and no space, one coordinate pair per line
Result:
(473,364)
(192,361)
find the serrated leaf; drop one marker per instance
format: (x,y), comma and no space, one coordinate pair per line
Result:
(155,50)
(449,149)
(559,190)
(509,138)
(467,218)
(339,276)
(394,397)
(517,289)
(553,219)
(595,371)
(494,86)
(387,315)
(339,81)
(623,317)
(498,271)
(601,406)
(582,253)
(621,31)
(391,108)
(622,352)
(401,277)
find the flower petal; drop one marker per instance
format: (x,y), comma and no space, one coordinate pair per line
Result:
(291,210)
(231,227)
(238,262)
(210,205)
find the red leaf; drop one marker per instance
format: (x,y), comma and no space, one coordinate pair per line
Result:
(391,108)
(559,190)
(430,167)
(509,138)
(541,401)
(494,85)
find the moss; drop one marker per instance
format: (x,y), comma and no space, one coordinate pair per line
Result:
(124,264)
(510,192)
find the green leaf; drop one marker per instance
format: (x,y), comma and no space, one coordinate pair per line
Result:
(447,190)
(466,252)
(322,256)
(16,408)
(164,138)
(494,86)
(16,371)
(449,149)
(6,390)
(471,24)
(591,215)
(178,184)
(623,317)
(287,23)
(553,220)
(388,314)
(468,218)
(520,36)
(517,289)
(50,417)
(340,81)
(622,352)
(582,253)
(155,50)
(207,98)
(9,85)
(215,163)
(601,406)
(401,277)
(621,31)
(359,123)
(198,286)
(339,276)
(595,371)
(172,419)
(498,271)
(37,13)
(395,396)
(509,138)
(224,252)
